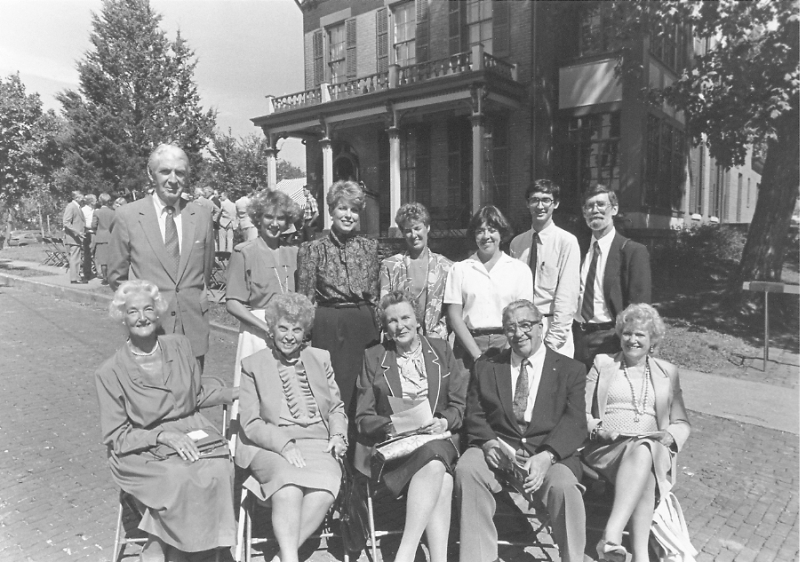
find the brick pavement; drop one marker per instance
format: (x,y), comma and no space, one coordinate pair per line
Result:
(738,483)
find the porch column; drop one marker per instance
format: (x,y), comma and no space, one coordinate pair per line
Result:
(272,160)
(478,127)
(394,178)
(327,177)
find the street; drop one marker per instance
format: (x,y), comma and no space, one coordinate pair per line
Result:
(737,485)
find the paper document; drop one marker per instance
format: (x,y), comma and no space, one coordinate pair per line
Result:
(197,434)
(409,416)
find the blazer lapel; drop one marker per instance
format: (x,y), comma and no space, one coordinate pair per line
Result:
(188,223)
(149,224)
(502,377)
(391,373)
(434,371)
(548,382)
(662,387)
(612,269)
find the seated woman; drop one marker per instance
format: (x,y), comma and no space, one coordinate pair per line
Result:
(293,425)
(414,367)
(638,423)
(150,394)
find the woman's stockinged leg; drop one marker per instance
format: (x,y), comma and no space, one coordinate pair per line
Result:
(286,521)
(438,529)
(316,504)
(630,484)
(642,520)
(422,497)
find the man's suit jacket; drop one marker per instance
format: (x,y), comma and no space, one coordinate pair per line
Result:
(101,224)
(626,279)
(558,420)
(74,224)
(226,214)
(260,398)
(137,246)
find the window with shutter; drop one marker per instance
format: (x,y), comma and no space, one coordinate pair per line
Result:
(337,53)
(318,53)
(382,39)
(501,28)
(350,32)
(404,20)
(479,24)
(423,31)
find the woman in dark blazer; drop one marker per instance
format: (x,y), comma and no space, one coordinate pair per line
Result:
(414,367)
(292,425)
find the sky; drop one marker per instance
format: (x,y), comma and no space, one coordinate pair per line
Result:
(245,50)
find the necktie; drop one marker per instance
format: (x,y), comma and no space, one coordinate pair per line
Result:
(587,308)
(171,240)
(532,259)
(521,395)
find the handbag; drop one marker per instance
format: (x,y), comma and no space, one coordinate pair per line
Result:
(352,507)
(403,446)
(668,533)
(213,445)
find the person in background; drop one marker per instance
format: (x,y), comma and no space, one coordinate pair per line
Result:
(614,274)
(310,214)
(638,424)
(150,393)
(481,286)
(119,202)
(88,209)
(247,229)
(74,226)
(339,273)
(201,198)
(226,220)
(554,257)
(418,270)
(101,225)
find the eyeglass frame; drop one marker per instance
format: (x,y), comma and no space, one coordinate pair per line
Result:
(532,201)
(511,329)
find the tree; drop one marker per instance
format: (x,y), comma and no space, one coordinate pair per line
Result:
(240,165)
(30,157)
(137,90)
(740,93)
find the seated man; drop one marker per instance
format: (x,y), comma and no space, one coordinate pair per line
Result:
(506,425)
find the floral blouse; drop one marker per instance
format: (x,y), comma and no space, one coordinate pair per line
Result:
(333,271)
(428,307)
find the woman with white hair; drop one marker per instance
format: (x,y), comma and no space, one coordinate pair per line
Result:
(150,396)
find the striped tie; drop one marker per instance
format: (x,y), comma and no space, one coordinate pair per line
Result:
(171,240)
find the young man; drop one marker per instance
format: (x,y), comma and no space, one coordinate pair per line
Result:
(614,274)
(553,255)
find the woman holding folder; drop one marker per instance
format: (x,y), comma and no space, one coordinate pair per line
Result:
(405,370)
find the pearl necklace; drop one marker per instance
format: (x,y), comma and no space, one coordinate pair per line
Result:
(149,353)
(638,408)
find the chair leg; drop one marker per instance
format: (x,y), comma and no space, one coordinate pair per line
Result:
(117,552)
(240,531)
(373,539)
(248,544)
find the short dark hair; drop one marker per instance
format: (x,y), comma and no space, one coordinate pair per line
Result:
(600,189)
(544,186)
(412,212)
(492,216)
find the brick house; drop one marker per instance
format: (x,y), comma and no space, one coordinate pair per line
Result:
(457,104)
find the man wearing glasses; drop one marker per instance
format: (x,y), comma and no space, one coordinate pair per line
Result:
(554,257)
(615,273)
(525,420)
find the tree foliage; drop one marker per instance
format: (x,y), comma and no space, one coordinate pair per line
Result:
(240,165)
(137,90)
(30,156)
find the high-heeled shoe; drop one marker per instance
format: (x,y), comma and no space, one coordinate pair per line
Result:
(611,552)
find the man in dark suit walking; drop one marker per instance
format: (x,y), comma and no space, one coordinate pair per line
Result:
(169,242)
(614,274)
(525,413)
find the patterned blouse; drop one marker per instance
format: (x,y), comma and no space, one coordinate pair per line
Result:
(428,305)
(333,271)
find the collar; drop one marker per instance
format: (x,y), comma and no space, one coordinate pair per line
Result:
(546,231)
(516,360)
(605,241)
(160,206)
(340,241)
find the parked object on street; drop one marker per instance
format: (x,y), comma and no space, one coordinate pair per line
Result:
(24,237)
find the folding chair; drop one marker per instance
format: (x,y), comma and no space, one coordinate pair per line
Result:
(129,515)
(60,251)
(391,511)
(50,254)
(218,280)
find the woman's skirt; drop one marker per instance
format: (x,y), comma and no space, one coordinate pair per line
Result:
(398,473)
(345,333)
(606,458)
(250,341)
(189,505)
(272,472)
(101,254)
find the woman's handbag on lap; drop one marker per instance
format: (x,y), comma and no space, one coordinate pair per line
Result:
(400,447)
(668,533)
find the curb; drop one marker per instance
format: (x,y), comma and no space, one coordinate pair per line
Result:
(80,296)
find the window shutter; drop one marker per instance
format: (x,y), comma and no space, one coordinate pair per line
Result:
(501,28)
(382,39)
(423,32)
(319,64)
(456,19)
(350,37)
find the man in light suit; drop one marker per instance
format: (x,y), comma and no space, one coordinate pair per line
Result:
(614,274)
(74,226)
(525,408)
(226,220)
(170,242)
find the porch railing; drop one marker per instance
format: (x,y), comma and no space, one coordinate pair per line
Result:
(359,86)
(424,71)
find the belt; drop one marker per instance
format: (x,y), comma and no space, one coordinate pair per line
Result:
(486,331)
(342,304)
(547,315)
(589,327)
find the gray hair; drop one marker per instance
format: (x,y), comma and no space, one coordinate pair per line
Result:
(295,307)
(136,286)
(161,149)
(390,299)
(645,316)
(521,304)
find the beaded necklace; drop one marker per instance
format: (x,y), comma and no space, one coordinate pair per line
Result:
(149,353)
(640,407)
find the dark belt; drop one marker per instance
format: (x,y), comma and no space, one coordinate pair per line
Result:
(342,304)
(486,331)
(589,327)
(547,315)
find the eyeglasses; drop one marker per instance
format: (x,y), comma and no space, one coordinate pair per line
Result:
(524,326)
(600,205)
(543,201)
